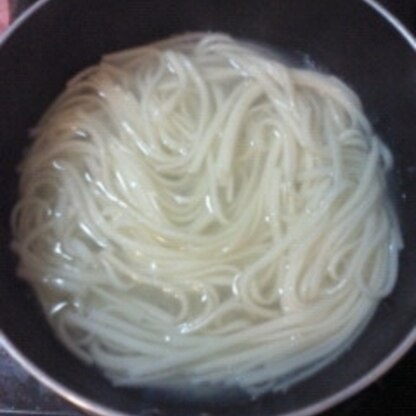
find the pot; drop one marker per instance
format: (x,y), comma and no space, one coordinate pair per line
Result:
(356,40)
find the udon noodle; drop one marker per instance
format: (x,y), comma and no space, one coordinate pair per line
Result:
(197,210)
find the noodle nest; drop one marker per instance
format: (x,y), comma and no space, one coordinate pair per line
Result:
(197,210)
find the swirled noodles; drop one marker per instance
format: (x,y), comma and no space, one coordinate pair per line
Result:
(197,210)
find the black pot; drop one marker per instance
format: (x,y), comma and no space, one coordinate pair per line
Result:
(55,39)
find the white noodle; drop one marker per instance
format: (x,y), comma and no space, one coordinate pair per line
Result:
(195,209)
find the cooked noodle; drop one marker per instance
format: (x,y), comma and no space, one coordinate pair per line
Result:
(197,210)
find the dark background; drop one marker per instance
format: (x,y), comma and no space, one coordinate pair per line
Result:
(393,395)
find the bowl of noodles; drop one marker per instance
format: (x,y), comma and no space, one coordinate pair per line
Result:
(207,207)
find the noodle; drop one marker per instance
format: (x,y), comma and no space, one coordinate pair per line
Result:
(196,210)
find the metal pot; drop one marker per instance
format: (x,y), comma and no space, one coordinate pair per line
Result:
(356,40)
